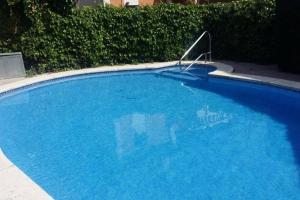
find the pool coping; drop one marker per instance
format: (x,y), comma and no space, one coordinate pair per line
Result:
(14,184)
(226,71)
(222,71)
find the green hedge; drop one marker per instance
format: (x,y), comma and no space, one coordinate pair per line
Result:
(288,20)
(242,30)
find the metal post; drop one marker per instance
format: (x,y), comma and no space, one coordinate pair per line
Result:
(209,47)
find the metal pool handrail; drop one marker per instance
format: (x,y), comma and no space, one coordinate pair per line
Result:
(196,61)
(194,44)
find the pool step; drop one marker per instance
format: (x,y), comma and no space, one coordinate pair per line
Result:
(182,75)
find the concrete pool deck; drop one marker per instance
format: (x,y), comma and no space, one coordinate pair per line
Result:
(14,184)
(10,80)
(261,70)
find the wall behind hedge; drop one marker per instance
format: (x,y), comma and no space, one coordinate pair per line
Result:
(242,30)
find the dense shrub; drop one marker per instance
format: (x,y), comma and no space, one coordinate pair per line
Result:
(15,17)
(243,30)
(87,37)
(288,21)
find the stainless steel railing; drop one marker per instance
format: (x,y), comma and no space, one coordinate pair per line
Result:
(202,54)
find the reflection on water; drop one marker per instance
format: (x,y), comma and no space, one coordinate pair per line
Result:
(139,130)
(150,128)
(210,119)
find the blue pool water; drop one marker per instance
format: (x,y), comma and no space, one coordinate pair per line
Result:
(153,135)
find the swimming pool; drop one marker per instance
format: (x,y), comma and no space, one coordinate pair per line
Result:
(154,135)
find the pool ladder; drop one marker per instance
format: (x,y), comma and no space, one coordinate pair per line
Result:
(205,54)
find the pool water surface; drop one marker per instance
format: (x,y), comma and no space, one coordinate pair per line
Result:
(153,135)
